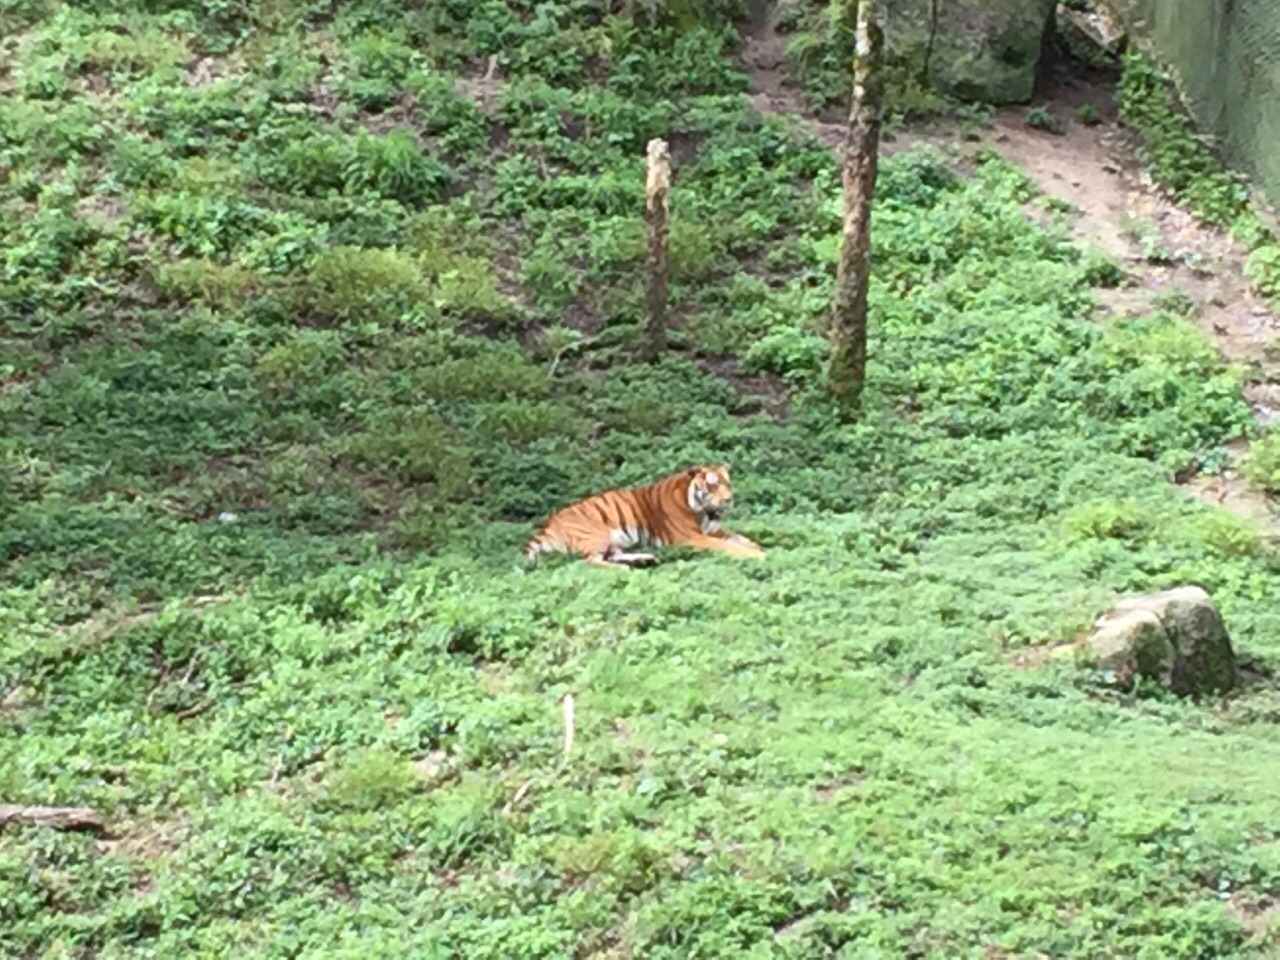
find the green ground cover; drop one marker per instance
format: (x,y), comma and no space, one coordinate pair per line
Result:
(300,314)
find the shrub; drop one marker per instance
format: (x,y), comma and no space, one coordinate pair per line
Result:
(1262,468)
(393,166)
(418,449)
(789,353)
(217,284)
(352,285)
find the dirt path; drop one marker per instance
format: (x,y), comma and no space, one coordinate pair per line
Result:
(1164,251)
(1116,209)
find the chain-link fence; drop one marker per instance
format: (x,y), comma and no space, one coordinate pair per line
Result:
(1226,56)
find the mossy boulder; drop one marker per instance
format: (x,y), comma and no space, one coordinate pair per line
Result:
(1175,637)
(988,50)
(977,50)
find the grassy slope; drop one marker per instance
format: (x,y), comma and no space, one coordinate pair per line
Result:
(281,322)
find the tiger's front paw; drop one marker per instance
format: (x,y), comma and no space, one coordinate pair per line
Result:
(744,546)
(635,559)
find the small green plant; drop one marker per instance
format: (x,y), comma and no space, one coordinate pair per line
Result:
(974,116)
(551,281)
(382,55)
(115,52)
(1041,118)
(1100,269)
(393,166)
(1229,536)
(1149,240)
(1108,520)
(1263,269)
(1088,115)
(1058,205)
(353,285)
(1262,468)
(372,781)
(522,422)
(1180,160)
(500,372)
(223,285)
(789,353)
(416,448)
(1177,302)
(303,359)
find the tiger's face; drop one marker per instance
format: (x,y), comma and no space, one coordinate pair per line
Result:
(710,492)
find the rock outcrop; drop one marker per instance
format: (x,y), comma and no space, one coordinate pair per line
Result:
(989,50)
(978,50)
(1175,637)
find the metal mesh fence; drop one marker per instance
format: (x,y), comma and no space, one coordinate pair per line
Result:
(1226,56)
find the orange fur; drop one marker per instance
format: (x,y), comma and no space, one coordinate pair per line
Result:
(682,510)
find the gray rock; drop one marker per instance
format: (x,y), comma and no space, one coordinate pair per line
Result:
(1175,637)
(1095,22)
(978,50)
(989,50)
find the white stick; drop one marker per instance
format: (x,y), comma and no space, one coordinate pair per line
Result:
(567,705)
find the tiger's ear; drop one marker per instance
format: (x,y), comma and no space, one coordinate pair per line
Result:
(692,471)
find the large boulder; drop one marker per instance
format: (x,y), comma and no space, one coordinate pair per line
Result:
(978,50)
(989,50)
(1175,637)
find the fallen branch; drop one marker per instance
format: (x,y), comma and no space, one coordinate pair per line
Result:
(58,818)
(561,351)
(107,623)
(195,711)
(520,794)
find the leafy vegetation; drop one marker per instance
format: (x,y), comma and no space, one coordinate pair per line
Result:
(1187,167)
(304,325)
(820,50)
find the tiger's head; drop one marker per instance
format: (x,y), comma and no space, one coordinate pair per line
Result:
(710,493)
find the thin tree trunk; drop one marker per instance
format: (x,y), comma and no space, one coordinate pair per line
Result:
(848,369)
(656,211)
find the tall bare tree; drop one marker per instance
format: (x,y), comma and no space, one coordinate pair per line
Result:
(656,212)
(847,373)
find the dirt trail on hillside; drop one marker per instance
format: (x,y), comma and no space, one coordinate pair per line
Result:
(1116,208)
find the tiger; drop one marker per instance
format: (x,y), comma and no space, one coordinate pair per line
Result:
(683,509)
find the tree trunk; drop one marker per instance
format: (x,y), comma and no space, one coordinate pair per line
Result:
(847,373)
(656,211)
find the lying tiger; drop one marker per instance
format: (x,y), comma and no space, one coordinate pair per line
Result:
(682,510)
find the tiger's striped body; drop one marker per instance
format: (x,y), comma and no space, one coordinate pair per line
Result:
(682,510)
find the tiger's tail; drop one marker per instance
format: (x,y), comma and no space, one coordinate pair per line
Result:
(541,543)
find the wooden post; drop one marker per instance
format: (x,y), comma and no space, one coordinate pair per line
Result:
(847,372)
(656,210)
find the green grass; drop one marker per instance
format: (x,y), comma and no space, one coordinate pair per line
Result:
(293,358)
